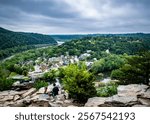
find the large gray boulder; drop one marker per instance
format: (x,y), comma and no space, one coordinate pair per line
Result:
(42,90)
(131,90)
(95,102)
(22,86)
(49,88)
(121,101)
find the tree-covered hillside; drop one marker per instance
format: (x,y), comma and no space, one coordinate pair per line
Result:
(114,43)
(13,42)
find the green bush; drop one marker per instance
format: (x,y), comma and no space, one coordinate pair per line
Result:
(107,91)
(137,70)
(12,74)
(109,63)
(51,75)
(40,84)
(79,82)
(5,84)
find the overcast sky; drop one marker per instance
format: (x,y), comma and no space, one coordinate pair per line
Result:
(75,16)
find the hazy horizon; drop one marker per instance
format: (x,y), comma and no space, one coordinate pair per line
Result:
(76,16)
(78,33)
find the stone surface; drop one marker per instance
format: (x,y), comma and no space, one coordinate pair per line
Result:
(145,94)
(16,83)
(133,95)
(16,97)
(41,90)
(121,101)
(29,92)
(11,92)
(8,103)
(22,86)
(68,101)
(34,94)
(72,106)
(7,98)
(1,97)
(131,90)
(128,95)
(60,97)
(144,101)
(40,103)
(16,92)
(138,105)
(44,97)
(35,97)
(54,105)
(4,93)
(49,88)
(59,102)
(17,105)
(95,102)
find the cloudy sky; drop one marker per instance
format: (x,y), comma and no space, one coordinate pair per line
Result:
(75,16)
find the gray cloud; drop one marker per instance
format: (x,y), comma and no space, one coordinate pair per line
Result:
(75,16)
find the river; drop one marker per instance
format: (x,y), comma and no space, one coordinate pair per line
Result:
(60,43)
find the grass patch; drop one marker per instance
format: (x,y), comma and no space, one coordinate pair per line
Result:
(108,90)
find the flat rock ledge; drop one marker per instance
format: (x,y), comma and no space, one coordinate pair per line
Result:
(133,95)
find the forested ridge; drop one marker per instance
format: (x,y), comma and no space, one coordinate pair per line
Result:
(14,42)
(116,44)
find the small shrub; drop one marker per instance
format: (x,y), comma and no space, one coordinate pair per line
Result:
(40,84)
(51,75)
(107,91)
(12,74)
(5,84)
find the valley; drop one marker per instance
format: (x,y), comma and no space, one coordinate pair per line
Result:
(94,70)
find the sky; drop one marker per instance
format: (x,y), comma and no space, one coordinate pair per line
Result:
(75,16)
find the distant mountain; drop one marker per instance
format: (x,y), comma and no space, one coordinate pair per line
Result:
(13,42)
(67,37)
(9,39)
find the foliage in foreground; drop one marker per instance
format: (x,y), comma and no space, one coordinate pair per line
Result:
(51,75)
(40,84)
(79,82)
(137,70)
(5,84)
(108,90)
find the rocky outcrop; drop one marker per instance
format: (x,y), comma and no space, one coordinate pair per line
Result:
(132,90)
(17,86)
(133,95)
(128,95)
(95,102)
(33,98)
(121,101)
(29,92)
